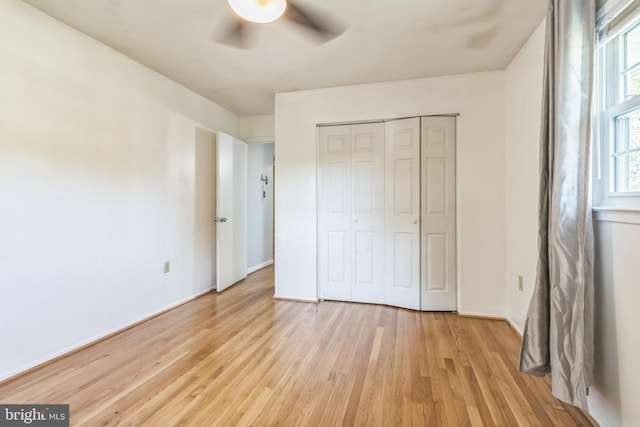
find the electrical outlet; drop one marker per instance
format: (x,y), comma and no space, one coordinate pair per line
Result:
(167,266)
(520,283)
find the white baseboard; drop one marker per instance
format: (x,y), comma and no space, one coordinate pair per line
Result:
(514,326)
(292,298)
(593,414)
(87,342)
(478,314)
(259,266)
(600,409)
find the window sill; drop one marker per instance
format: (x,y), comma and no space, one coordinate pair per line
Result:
(617,214)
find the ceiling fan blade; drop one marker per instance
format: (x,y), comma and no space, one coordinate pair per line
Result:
(235,36)
(315,21)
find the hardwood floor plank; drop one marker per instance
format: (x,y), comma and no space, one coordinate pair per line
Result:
(241,358)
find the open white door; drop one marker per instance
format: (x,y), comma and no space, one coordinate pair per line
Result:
(438,213)
(231,211)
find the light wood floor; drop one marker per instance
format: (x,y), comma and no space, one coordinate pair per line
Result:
(242,358)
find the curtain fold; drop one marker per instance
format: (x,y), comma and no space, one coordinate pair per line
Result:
(558,333)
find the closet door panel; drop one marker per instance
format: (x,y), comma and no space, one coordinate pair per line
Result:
(365,271)
(334,217)
(438,237)
(337,246)
(402,219)
(367,159)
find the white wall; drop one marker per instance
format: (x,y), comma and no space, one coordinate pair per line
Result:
(257,128)
(614,399)
(523,81)
(259,209)
(98,185)
(479,98)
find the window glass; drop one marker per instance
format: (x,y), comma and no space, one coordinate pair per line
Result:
(634,171)
(625,154)
(634,130)
(619,59)
(632,83)
(633,47)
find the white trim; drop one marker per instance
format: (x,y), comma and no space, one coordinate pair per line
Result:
(259,139)
(618,21)
(360,122)
(96,338)
(600,408)
(458,222)
(319,290)
(610,108)
(295,298)
(610,8)
(593,413)
(515,327)
(489,316)
(619,215)
(259,266)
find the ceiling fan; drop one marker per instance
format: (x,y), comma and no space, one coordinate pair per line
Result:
(250,13)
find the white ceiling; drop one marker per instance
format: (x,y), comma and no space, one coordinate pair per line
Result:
(385,40)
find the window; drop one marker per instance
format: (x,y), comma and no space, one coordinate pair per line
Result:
(618,101)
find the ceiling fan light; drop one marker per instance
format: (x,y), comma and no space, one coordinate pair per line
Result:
(259,11)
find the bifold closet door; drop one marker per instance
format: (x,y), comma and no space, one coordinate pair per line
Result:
(402,225)
(351,212)
(438,213)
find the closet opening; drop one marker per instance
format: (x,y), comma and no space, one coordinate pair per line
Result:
(387,212)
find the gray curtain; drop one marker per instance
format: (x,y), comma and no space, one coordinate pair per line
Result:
(558,334)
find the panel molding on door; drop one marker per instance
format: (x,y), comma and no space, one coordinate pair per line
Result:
(402,216)
(438,235)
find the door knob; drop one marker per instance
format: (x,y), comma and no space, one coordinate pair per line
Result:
(216,219)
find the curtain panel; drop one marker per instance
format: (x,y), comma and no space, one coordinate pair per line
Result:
(558,333)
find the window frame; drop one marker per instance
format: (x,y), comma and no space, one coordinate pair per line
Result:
(608,106)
